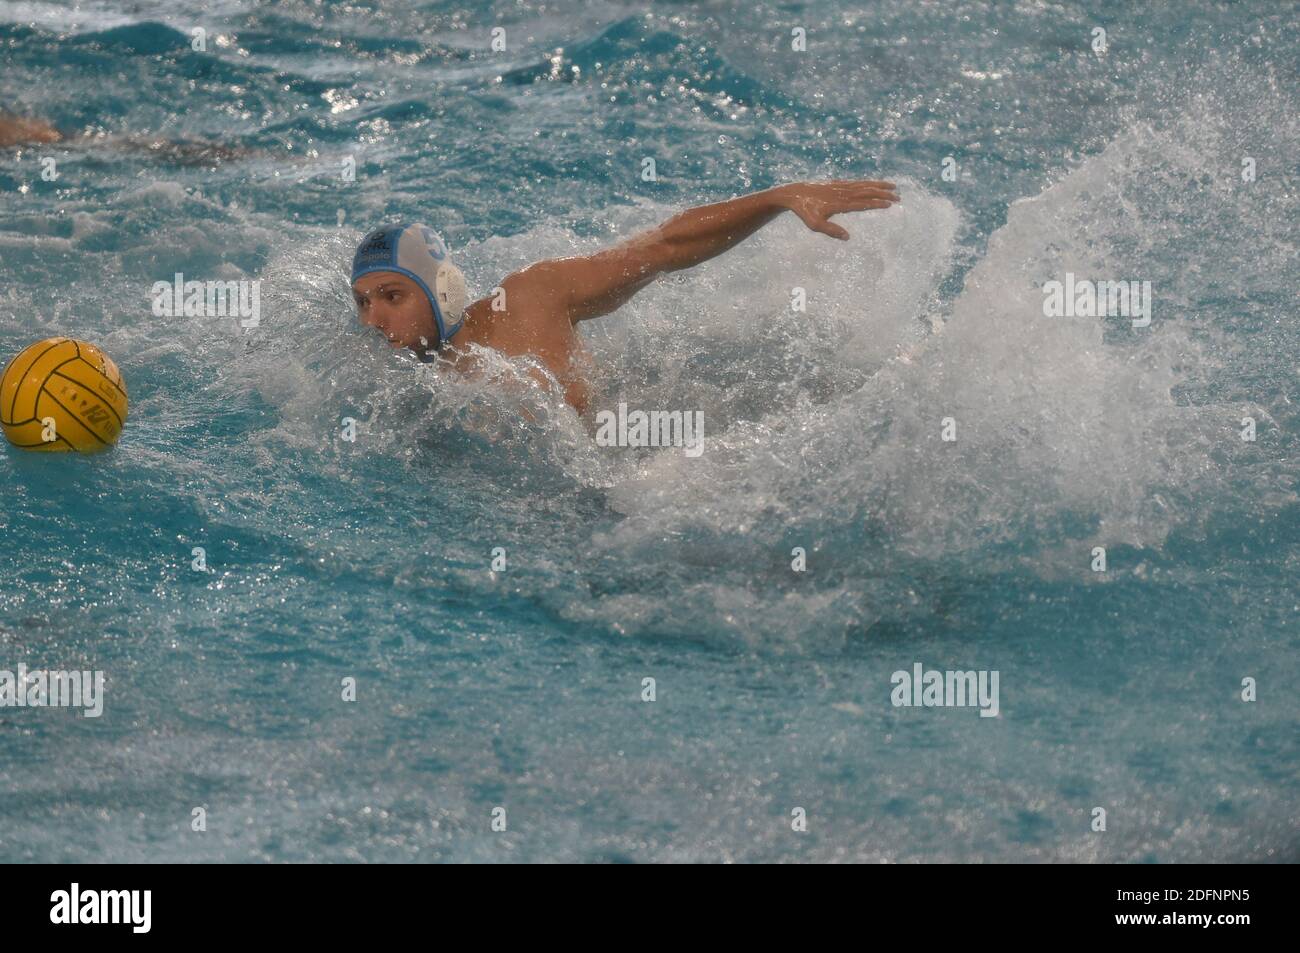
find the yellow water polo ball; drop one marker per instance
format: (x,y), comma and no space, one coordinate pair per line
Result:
(62,394)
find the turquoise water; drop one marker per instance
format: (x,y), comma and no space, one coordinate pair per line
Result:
(522,688)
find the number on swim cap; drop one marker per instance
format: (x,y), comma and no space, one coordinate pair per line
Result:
(431,240)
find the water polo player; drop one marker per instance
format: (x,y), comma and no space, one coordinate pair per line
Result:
(406,286)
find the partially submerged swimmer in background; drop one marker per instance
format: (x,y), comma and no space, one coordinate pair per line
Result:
(22,131)
(406,286)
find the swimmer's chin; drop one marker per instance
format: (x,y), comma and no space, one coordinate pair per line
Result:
(422,351)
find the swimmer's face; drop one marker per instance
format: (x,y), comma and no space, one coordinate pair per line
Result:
(395,305)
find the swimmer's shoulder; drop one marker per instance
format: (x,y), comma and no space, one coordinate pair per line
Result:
(531,298)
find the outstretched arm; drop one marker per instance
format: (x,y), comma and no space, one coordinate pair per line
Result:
(592,285)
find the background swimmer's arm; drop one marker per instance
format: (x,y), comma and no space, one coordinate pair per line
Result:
(18,131)
(594,285)
(14,131)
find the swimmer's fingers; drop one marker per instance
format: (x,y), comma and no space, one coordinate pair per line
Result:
(827,227)
(818,221)
(865,183)
(857,202)
(864,188)
(872,198)
(853,196)
(816,202)
(862,205)
(870,190)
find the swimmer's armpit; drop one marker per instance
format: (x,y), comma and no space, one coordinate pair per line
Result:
(17,131)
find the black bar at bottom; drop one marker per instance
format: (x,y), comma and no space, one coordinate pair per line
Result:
(335,903)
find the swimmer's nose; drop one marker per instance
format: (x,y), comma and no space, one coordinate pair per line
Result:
(382,329)
(372,318)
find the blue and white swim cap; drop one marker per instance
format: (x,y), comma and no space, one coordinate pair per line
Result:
(417,252)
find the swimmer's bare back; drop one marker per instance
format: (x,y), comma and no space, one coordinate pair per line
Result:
(543,302)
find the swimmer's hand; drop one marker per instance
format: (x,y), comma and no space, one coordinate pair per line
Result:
(816,202)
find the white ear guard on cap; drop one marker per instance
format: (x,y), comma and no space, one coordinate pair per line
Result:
(449,288)
(417,252)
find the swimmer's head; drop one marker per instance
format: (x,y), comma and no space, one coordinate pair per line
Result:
(406,286)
